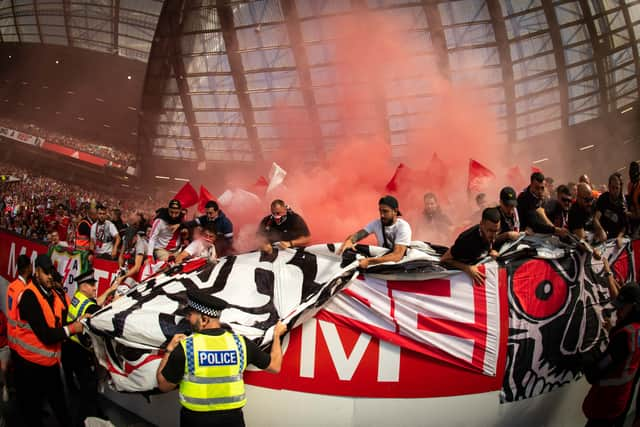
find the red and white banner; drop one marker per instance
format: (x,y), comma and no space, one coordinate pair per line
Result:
(447,319)
(12,246)
(377,338)
(25,138)
(78,155)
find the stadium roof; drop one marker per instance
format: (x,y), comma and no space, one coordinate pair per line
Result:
(217,68)
(123,27)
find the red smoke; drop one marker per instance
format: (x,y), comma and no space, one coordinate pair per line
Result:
(338,194)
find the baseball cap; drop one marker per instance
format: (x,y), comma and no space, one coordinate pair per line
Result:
(629,294)
(390,201)
(508,196)
(175,204)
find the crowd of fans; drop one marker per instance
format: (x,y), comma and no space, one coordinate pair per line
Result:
(140,235)
(91,147)
(36,205)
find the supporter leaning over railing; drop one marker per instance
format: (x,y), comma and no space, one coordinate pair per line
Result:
(610,220)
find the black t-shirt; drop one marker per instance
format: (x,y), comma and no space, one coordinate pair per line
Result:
(470,247)
(31,312)
(120,225)
(84,229)
(528,204)
(556,214)
(508,223)
(613,215)
(174,369)
(289,229)
(580,218)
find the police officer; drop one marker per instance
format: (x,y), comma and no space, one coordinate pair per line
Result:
(37,340)
(77,357)
(208,365)
(612,377)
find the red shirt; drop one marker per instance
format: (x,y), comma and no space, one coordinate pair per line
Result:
(48,219)
(63,226)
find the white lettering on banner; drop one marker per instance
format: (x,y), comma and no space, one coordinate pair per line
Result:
(308,349)
(388,355)
(388,362)
(12,268)
(345,365)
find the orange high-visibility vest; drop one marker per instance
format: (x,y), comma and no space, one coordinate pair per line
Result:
(25,341)
(13,297)
(83,241)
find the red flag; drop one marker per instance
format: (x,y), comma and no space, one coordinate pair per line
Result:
(393,185)
(515,178)
(479,175)
(205,197)
(187,196)
(260,186)
(535,169)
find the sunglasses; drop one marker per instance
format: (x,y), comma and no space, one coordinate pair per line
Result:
(566,199)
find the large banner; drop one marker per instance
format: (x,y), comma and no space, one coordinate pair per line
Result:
(407,330)
(444,318)
(555,316)
(76,154)
(69,263)
(260,289)
(22,137)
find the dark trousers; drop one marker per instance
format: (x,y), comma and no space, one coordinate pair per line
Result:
(34,385)
(231,418)
(78,363)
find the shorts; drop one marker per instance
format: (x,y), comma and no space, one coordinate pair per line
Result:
(5,354)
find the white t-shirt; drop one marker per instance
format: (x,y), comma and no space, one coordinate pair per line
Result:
(201,248)
(103,235)
(398,233)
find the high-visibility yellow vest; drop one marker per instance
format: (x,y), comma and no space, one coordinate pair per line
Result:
(79,305)
(213,372)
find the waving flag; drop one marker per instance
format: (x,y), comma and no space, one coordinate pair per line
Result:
(260,186)
(205,197)
(479,176)
(276,177)
(187,196)
(393,184)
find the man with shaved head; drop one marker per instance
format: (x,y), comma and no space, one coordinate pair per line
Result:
(581,212)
